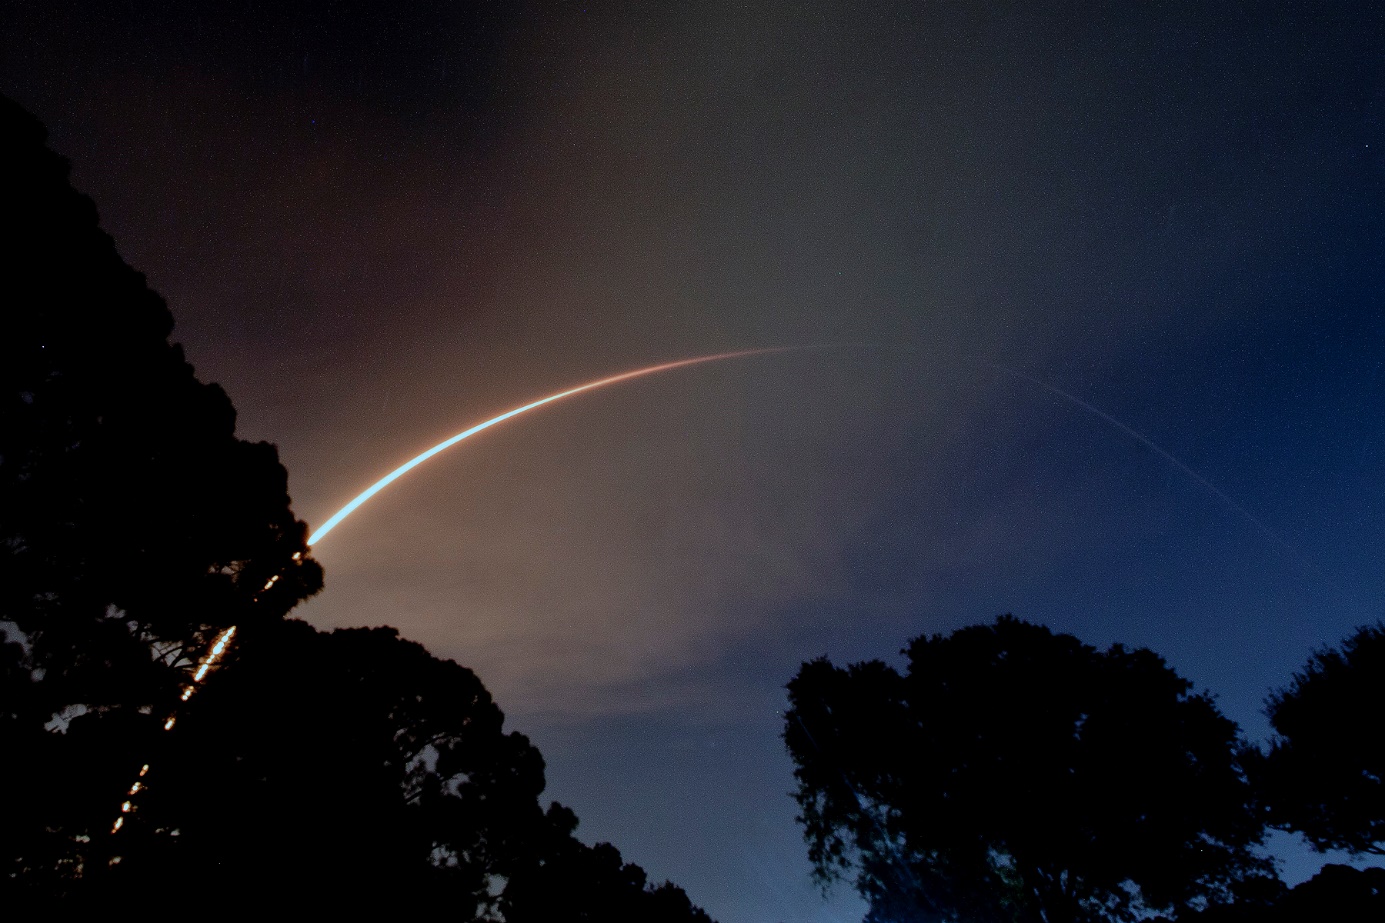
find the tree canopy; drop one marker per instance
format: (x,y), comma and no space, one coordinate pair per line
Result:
(356,768)
(1324,775)
(342,771)
(1010,773)
(1338,893)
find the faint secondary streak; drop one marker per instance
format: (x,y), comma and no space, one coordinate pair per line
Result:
(417,460)
(1152,446)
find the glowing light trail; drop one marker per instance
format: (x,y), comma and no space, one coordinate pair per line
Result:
(225,639)
(222,642)
(417,460)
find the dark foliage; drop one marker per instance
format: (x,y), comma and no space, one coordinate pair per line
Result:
(1014,774)
(133,523)
(352,766)
(1338,893)
(356,770)
(571,882)
(335,773)
(1324,775)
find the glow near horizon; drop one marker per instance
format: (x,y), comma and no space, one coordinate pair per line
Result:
(417,460)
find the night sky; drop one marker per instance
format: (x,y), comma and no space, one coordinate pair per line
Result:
(379,224)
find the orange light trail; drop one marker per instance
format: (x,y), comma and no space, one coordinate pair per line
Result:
(417,460)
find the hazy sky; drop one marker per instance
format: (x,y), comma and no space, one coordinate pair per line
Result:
(378,224)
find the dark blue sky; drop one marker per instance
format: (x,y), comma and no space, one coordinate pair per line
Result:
(377,227)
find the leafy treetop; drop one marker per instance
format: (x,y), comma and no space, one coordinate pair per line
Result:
(1015,774)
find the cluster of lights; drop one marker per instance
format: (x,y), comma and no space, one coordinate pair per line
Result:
(127,806)
(208,662)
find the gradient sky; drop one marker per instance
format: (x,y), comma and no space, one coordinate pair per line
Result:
(378,224)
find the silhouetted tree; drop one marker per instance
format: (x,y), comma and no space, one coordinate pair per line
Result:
(1324,775)
(566,881)
(1338,893)
(133,523)
(337,773)
(356,771)
(353,767)
(1015,774)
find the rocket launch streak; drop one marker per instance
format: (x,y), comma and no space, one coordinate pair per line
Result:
(224,640)
(417,460)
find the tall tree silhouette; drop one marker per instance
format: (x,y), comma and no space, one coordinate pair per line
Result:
(347,771)
(133,523)
(1015,774)
(1324,776)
